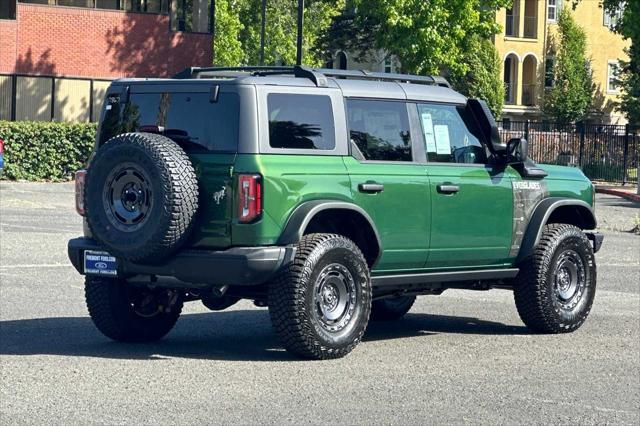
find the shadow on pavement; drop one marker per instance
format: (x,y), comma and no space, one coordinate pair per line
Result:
(233,335)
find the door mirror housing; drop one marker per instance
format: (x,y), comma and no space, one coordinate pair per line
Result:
(517,150)
(487,125)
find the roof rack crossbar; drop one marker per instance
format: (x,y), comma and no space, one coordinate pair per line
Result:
(317,76)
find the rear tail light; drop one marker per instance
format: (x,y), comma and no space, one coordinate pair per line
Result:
(1,147)
(249,198)
(80,178)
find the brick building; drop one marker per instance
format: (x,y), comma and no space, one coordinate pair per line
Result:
(58,56)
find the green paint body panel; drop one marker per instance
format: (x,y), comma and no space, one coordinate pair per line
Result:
(472,227)
(420,229)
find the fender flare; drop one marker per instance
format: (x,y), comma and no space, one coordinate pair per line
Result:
(305,212)
(541,215)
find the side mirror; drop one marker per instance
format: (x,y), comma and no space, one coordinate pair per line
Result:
(487,125)
(517,150)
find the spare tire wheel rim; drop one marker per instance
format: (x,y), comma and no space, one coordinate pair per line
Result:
(127,197)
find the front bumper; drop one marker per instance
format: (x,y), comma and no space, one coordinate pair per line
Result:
(241,266)
(596,239)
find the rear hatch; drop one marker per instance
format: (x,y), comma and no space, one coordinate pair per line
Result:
(204,122)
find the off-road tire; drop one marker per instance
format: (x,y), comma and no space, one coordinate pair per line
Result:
(538,305)
(111,312)
(391,309)
(173,196)
(292,306)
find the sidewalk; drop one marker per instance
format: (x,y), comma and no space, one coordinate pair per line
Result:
(628,192)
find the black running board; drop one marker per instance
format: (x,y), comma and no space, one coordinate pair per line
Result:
(443,277)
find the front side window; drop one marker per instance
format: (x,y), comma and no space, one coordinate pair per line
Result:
(301,122)
(450,135)
(380,129)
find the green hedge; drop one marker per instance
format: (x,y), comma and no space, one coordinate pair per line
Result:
(36,150)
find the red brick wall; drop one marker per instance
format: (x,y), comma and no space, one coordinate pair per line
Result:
(97,43)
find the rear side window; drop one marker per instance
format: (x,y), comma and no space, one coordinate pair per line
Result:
(301,122)
(188,118)
(450,135)
(380,129)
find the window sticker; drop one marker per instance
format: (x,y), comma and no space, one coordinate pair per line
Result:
(427,126)
(443,144)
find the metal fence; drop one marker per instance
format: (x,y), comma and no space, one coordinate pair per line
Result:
(604,152)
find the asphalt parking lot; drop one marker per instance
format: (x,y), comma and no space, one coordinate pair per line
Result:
(462,357)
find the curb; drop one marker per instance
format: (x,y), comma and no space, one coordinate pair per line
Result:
(618,193)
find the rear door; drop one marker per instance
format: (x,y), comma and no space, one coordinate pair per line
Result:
(206,129)
(471,201)
(388,179)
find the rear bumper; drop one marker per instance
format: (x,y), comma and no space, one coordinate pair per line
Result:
(241,266)
(596,239)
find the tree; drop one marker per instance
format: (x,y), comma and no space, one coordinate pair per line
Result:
(628,26)
(427,36)
(572,92)
(227,46)
(441,37)
(483,78)
(238,23)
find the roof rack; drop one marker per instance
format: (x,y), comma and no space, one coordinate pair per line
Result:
(317,76)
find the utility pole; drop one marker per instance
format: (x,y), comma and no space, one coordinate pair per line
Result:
(263,30)
(300,23)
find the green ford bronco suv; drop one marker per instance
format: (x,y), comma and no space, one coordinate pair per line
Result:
(331,197)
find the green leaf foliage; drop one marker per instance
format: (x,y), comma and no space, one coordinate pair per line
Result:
(238,26)
(36,150)
(628,26)
(483,78)
(573,88)
(427,36)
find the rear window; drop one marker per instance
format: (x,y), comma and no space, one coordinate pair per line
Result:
(301,122)
(190,119)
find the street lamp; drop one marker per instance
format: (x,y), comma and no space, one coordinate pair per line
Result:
(263,30)
(300,22)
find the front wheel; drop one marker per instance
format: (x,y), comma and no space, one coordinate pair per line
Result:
(127,313)
(556,285)
(320,303)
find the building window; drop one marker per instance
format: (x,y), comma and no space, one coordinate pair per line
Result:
(613,70)
(139,6)
(342,61)
(553,9)
(192,16)
(549,64)
(388,65)
(611,19)
(7,9)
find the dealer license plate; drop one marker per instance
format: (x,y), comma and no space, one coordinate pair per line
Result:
(100,263)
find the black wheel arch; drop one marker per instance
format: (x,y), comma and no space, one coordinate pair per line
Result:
(555,210)
(338,217)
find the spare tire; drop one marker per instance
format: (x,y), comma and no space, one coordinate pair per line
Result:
(141,196)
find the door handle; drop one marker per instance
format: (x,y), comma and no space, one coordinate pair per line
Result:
(370,187)
(447,188)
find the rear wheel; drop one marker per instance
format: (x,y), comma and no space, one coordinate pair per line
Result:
(127,313)
(320,303)
(391,309)
(556,285)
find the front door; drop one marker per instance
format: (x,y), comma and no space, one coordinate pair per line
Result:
(388,182)
(471,201)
